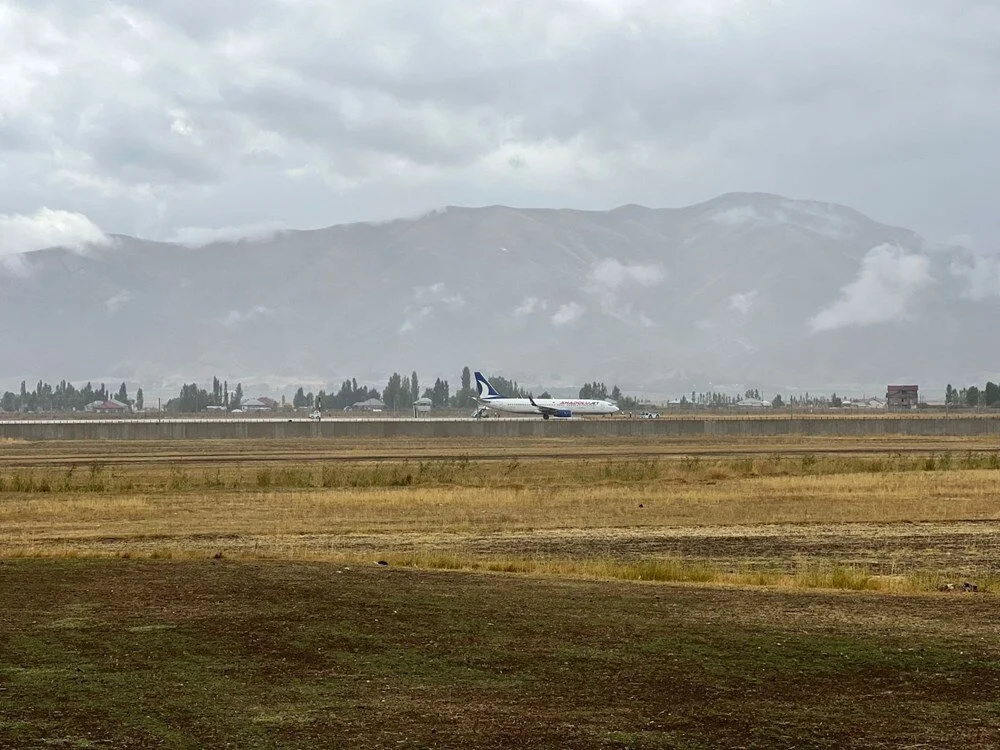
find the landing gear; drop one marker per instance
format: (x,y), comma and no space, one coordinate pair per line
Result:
(545,416)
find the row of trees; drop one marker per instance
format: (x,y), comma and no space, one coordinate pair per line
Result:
(399,394)
(193,399)
(64,396)
(599,390)
(716,399)
(712,398)
(973,396)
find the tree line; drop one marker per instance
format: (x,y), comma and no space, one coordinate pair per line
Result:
(193,399)
(598,390)
(715,399)
(399,394)
(973,395)
(64,396)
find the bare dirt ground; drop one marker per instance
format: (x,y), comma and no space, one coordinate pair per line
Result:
(965,549)
(215,648)
(131,654)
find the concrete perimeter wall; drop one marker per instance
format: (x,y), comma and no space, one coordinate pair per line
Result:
(198,429)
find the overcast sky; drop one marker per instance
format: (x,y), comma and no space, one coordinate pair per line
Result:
(176,119)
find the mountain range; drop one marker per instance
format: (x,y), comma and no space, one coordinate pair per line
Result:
(745,289)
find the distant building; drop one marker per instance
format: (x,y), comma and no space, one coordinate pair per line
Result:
(901,397)
(754,403)
(863,403)
(255,404)
(261,403)
(107,407)
(372,404)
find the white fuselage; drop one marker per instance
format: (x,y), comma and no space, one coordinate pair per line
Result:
(574,406)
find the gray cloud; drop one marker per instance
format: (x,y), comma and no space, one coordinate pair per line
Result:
(610,277)
(611,273)
(116,302)
(414,317)
(437,294)
(426,300)
(48,228)
(743,302)
(529,306)
(889,276)
(567,313)
(153,116)
(980,272)
(202,236)
(240,317)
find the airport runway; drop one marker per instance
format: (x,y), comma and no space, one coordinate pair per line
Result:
(233,452)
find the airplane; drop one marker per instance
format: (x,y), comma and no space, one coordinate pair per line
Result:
(547,407)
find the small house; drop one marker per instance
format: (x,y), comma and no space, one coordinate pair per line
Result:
(107,407)
(372,404)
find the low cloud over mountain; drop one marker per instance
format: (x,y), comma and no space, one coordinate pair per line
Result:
(746,288)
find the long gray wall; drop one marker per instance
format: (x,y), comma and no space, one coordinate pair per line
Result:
(195,429)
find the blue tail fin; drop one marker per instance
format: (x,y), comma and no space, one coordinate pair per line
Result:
(486,391)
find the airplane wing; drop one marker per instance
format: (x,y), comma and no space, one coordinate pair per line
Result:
(547,410)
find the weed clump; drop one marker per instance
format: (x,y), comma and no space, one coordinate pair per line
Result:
(838,577)
(292,477)
(631,471)
(690,464)
(215,481)
(178,481)
(22,482)
(329,477)
(96,480)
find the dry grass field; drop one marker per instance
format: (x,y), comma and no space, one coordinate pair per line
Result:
(636,594)
(888,514)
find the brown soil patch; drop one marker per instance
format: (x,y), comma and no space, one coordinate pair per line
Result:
(137,655)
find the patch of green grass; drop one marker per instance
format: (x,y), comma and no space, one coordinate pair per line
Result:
(197,654)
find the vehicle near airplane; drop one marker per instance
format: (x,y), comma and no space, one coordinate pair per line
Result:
(547,407)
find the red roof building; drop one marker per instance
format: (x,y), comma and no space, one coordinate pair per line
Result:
(107,407)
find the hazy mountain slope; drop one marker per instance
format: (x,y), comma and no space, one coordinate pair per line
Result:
(665,299)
